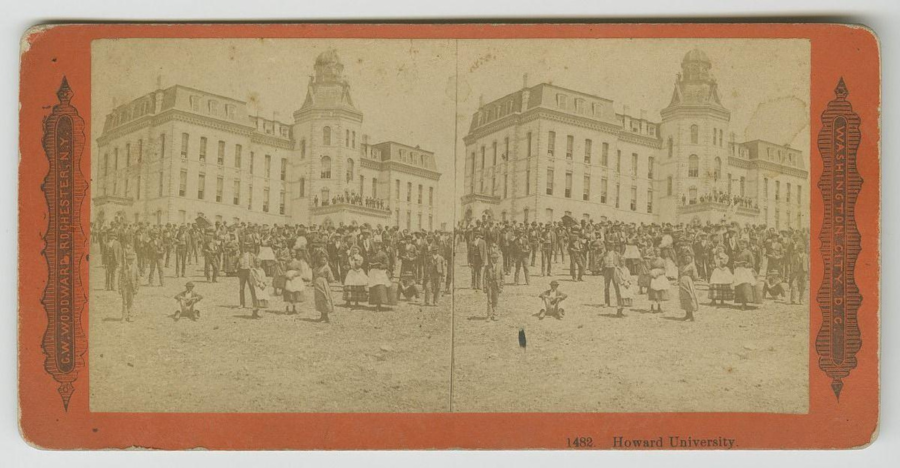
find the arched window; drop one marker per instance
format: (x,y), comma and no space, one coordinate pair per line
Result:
(695,134)
(671,146)
(718,172)
(326,167)
(692,195)
(693,166)
(349,170)
(326,136)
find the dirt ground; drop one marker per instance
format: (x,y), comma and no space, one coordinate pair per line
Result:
(590,361)
(399,360)
(363,361)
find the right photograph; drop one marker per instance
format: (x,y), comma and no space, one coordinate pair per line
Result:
(633,226)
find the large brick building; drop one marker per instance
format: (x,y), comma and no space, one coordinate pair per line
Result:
(176,153)
(544,151)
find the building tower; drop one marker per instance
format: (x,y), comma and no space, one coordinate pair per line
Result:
(327,134)
(694,126)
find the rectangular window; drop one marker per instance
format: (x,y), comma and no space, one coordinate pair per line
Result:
(634,198)
(650,168)
(669,186)
(505,185)
(777,190)
(162,145)
(549,181)
(420,194)
(184,144)
(281,200)
(494,184)
(268,165)
(482,157)
(250,196)
(570,145)
(527,181)
(619,161)
(127,187)
(252,161)
(586,195)
(182,183)
(604,186)
(283,169)
(587,151)
(551,143)
(634,164)
(649,201)
(140,151)
(220,155)
(528,142)
(617,195)
(237,155)
(397,193)
(302,188)
(266,199)
(203,149)
(494,148)
(430,196)
(127,154)
(604,155)
(220,186)
(506,149)
(568,184)
(160,188)
(798,196)
(236,199)
(409,192)
(729,183)
(106,164)
(787,193)
(374,187)
(201,186)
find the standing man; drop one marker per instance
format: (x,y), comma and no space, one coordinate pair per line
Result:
(435,269)
(181,251)
(799,272)
(547,242)
(478,255)
(522,252)
(156,251)
(114,258)
(493,284)
(576,255)
(211,258)
(611,260)
(246,262)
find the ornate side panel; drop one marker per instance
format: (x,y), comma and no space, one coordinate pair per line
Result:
(839,338)
(64,299)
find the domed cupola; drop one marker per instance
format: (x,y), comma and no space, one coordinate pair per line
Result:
(329,68)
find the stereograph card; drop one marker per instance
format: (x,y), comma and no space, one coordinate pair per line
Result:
(438,236)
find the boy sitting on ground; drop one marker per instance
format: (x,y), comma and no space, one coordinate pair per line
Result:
(186,301)
(552,298)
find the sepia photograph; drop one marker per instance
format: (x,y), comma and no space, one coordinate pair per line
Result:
(530,225)
(272,222)
(634,216)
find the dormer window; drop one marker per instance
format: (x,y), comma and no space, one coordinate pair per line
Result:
(561,101)
(213,107)
(195,103)
(579,106)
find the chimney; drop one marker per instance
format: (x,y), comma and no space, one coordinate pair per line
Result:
(525,80)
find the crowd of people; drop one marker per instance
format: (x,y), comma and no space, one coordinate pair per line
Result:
(382,265)
(353,199)
(723,198)
(745,264)
(375,265)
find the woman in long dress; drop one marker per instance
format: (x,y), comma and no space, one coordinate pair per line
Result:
(356,282)
(282,259)
(720,282)
(687,294)
(744,277)
(659,282)
(643,270)
(296,276)
(322,279)
(379,281)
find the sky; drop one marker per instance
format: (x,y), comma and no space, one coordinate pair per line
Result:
(408,92)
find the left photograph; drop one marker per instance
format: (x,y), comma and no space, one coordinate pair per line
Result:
(271,225)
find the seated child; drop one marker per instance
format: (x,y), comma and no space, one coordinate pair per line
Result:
(186,301)
(552,298)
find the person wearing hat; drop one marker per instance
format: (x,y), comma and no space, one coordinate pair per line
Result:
(552,298)
(799,266)
(523,253)
(478,256)
(356,282)
(186,301)
(687,293)
(744,278)
(435,270)
(611,260)
(113,259)
(493,284)
(129,279)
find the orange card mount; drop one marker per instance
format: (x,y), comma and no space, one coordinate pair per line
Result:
(314,233)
